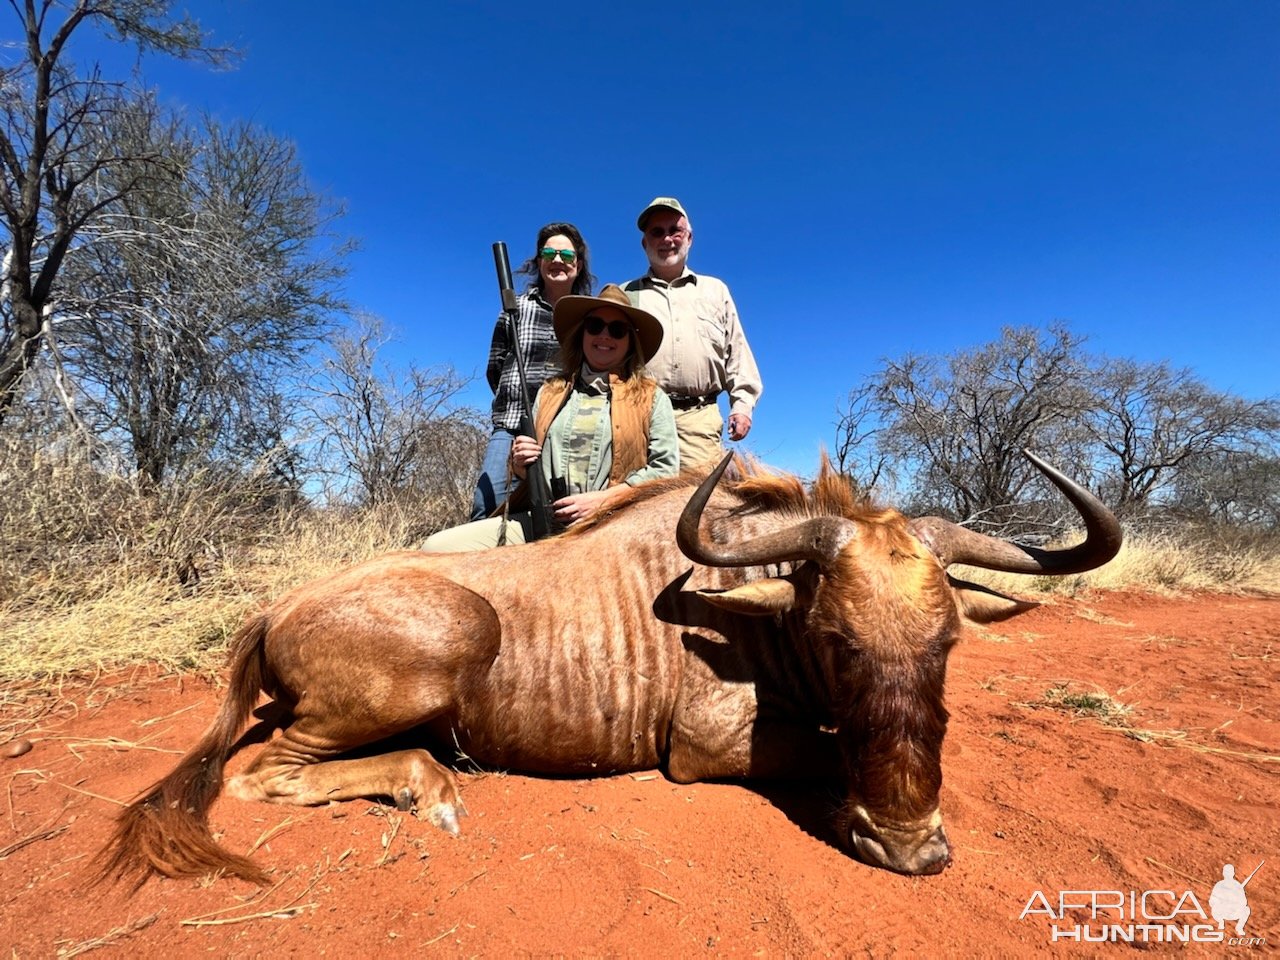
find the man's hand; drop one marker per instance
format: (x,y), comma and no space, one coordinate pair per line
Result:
(739,426)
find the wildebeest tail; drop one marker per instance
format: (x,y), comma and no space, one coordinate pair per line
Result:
(166,830)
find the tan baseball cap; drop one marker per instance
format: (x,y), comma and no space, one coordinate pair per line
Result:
(660,203)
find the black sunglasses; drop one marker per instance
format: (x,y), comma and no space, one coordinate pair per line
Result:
(657,233)
(594,325)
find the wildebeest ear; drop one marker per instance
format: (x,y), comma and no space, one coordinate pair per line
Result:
(760,598)
(980,604)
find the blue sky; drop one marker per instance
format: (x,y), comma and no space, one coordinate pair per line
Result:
(870,179)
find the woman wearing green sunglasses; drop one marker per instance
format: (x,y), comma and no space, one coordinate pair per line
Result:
(557,268)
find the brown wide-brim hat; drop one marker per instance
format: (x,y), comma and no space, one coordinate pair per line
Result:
(571,311)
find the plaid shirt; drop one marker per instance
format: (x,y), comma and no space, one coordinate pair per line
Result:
(541,354)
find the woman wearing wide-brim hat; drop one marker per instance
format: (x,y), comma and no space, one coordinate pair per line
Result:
(601,427)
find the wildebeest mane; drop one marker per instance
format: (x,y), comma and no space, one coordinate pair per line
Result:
(759,489)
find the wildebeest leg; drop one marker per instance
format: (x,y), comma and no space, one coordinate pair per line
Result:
(348,691)
(288,772)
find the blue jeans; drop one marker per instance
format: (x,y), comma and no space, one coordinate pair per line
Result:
(492,487)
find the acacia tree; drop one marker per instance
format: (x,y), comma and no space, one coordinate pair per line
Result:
(859,456)
(1145,435)
(1236,487)
(1149,422)
(957,425)
(195,291)
(384,434)
(54,152)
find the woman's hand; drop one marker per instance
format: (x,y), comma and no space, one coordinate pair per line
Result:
(580,506)
(524,451)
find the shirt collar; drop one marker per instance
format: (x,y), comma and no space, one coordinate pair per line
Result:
(533,293)
(688,276)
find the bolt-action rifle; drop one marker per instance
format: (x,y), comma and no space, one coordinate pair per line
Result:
(544,522)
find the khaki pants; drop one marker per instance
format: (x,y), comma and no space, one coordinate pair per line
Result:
(480,535)
(698,431)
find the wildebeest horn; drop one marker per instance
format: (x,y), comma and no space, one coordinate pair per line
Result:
(952,543)
(819,539)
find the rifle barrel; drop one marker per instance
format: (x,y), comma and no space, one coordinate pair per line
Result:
(542,515)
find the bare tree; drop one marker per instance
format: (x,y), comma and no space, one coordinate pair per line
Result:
(53,149)
(1149,422)
(958,425)
(196,290)
(385,435)
(859,455)
(1236,487)
(1148,436)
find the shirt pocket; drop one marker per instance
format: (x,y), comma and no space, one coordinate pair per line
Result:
(710,322)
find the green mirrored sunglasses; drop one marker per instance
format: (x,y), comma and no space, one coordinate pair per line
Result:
(550,253)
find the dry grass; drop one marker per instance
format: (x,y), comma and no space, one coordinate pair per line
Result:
(1089,703)
(125,616)
(1160,563)
(1100,707)
(96,574)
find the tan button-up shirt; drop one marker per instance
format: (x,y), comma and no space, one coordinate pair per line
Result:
(704,349)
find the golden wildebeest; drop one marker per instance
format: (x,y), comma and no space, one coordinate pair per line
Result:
(789,633)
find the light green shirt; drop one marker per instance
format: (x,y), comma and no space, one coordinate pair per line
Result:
(595,453)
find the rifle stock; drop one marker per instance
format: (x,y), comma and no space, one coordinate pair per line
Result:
(543,516)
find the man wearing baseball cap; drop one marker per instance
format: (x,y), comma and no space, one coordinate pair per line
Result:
(704,351)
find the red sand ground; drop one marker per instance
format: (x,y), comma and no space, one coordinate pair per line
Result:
(1035,798)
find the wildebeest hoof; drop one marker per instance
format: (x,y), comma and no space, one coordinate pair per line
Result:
(445,816)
